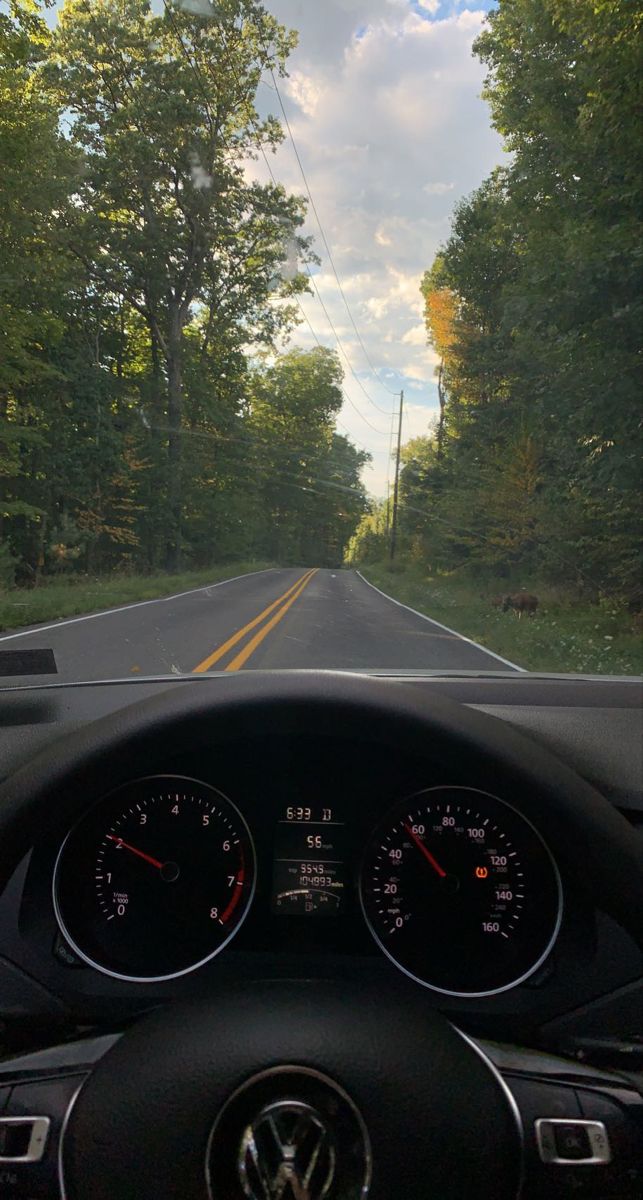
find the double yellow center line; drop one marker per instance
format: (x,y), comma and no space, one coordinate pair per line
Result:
(281,604)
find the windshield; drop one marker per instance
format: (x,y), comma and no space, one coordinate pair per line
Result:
(320,328)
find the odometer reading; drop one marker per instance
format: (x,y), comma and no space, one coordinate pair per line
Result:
(155,879)
(461,892)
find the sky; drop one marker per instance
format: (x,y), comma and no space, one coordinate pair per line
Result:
(383,100)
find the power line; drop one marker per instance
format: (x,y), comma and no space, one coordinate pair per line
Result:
(355,441)
(374,369)
(198,74)
(255,441)
(193,65)
(328,318)
(308,271)
(381,432)
(262,149)
(341,348)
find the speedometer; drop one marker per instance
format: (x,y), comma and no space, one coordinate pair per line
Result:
(155,879)
(461,892)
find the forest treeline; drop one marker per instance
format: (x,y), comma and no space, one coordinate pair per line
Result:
(534,310)
(147,420)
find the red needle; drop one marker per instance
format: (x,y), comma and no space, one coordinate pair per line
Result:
(132,849)
(426,852)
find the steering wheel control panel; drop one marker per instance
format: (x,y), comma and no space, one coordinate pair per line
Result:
(581,1138)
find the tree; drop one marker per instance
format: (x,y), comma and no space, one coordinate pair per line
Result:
(163,216)
(145,416)
(440,317)
(306,477)
(37,168)
(534,306)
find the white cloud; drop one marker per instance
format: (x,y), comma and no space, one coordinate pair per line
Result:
(415,336)
(305,92)
(383,98)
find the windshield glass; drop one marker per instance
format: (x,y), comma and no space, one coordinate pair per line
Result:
(319,337)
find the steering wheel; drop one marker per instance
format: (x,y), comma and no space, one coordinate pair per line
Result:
(300,1090)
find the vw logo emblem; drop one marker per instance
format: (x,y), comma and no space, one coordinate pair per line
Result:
(287,1153)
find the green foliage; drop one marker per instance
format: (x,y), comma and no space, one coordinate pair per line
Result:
(310,496)
(534,305)
(369,543)
(73,594)
(563,636)
(144,282)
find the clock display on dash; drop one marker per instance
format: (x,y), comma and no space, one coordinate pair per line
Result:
(309,862)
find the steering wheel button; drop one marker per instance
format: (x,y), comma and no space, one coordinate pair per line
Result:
(572,1141)
(546,1140)
(23,1139)
(598,1139)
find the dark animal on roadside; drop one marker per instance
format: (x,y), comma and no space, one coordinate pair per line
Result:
(521,602)
(497,601)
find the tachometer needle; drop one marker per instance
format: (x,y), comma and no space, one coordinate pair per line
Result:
(426,852)
(133,850)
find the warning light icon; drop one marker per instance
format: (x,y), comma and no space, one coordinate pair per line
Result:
(482,872)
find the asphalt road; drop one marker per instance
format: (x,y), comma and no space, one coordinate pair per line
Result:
(280,618)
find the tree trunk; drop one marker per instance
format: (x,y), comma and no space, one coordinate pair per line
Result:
(442,400)
(174,414)
(154,542)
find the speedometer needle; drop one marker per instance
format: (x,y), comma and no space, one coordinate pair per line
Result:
(426,852)
(133,850)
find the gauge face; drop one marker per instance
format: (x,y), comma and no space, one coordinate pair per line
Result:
(155,879)
(461,892)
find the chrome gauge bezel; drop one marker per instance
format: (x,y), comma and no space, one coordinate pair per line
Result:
(155,780)
(473,994)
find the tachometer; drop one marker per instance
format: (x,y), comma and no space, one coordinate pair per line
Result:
(461,892)
(154,879)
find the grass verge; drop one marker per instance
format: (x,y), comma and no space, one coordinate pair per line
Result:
(563,636)
(72,596)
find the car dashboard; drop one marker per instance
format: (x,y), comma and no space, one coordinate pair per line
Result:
(246,884)
(304,820)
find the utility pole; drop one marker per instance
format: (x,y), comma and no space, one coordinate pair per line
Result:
(397,482)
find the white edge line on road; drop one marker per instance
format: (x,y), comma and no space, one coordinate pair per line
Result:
(110,612)
(424,617)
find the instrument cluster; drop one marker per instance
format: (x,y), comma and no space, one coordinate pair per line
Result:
(454,884)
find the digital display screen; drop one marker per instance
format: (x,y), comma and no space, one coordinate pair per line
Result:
(309,864)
